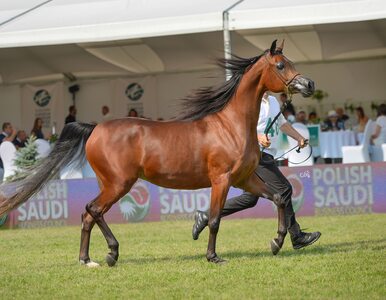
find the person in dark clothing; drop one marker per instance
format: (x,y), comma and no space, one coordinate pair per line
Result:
(332,123)
(72,115)
(20,139)
(290,108)
(37,129)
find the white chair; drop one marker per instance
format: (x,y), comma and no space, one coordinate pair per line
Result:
(378,153)
(43,148)
(384,151)
(360,153)
(300,159)
(8,156)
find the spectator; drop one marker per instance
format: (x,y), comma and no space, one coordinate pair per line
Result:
(333,123)
(290,107)
(106,115)
(341,115)
(37,129)
(379,136)
(313,118)
(133,113)
(343,118)
(287,113)
(20,139)
(8,134)
(301,117)
(362,119)
(72,115)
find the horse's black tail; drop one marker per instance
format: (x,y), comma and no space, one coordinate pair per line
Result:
(69,149)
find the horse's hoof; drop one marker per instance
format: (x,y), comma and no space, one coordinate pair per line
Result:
(110,260)
(217,260)
(90,264)
(275,248)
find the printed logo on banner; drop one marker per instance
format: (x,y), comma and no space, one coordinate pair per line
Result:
(134,91)
(182,204)
(135,205)
(42,98)
(297,192)
(49,207)
(343,189)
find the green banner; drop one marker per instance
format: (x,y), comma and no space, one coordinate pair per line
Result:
(314,135)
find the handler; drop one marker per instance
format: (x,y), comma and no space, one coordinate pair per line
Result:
(269,173)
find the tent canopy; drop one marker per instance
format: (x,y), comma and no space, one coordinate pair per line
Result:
(99,38)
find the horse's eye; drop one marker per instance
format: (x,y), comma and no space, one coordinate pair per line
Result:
(280,65)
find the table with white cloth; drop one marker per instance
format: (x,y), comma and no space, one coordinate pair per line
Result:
(331,142)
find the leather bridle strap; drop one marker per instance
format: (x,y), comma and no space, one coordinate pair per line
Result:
(286,82)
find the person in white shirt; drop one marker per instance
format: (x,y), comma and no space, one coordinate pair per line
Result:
(268,171)
(379,136)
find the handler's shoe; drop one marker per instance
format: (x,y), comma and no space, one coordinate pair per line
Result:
(200,222)
(304,239)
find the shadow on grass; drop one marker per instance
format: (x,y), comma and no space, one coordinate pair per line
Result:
(374,245)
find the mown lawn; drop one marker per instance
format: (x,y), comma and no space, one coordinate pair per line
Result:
(161,261)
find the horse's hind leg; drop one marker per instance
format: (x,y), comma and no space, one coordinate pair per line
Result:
(87,225)
(109,195)
(258,187)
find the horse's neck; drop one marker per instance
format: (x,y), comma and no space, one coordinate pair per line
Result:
(243,110)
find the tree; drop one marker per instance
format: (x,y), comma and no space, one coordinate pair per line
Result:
(26,158)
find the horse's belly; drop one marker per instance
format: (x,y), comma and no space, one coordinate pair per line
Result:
(180,181)
(184,175)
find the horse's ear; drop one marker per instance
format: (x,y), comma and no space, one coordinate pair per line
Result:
(280,48)
(273,47)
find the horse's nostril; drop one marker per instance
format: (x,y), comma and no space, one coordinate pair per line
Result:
(311,85)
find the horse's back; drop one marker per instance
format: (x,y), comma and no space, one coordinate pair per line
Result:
(165,153)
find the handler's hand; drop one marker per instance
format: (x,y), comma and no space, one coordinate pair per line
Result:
(263,140)
(302,142)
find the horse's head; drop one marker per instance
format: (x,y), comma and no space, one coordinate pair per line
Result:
(280,74)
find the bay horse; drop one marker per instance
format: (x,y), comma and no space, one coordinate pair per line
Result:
(213,144)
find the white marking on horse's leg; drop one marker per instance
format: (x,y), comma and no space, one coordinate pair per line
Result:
(273,240)
(90,264)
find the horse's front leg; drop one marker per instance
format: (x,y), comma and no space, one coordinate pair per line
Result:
(258,187)
(220,188)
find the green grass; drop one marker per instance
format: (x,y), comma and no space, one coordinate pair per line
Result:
(161,261)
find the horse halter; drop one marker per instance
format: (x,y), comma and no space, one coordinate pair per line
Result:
(285,81)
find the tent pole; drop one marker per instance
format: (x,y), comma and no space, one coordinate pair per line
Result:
(227,37)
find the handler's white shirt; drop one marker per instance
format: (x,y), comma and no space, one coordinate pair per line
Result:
(269,108)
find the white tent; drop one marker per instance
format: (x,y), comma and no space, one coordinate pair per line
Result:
(86,39)
(91,38)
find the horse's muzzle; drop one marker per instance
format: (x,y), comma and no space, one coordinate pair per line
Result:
(302,85)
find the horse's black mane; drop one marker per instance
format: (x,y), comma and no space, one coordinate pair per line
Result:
(208,100)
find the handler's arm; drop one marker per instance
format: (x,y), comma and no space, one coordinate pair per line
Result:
(289,130)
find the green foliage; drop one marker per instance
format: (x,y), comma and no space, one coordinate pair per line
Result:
(53,138)
(374,106)
(26,158)
(319,95)
(161,261)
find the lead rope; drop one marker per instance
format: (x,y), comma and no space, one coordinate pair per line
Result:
(282,109)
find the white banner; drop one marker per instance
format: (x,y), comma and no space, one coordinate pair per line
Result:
(134,93)
(45,102)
